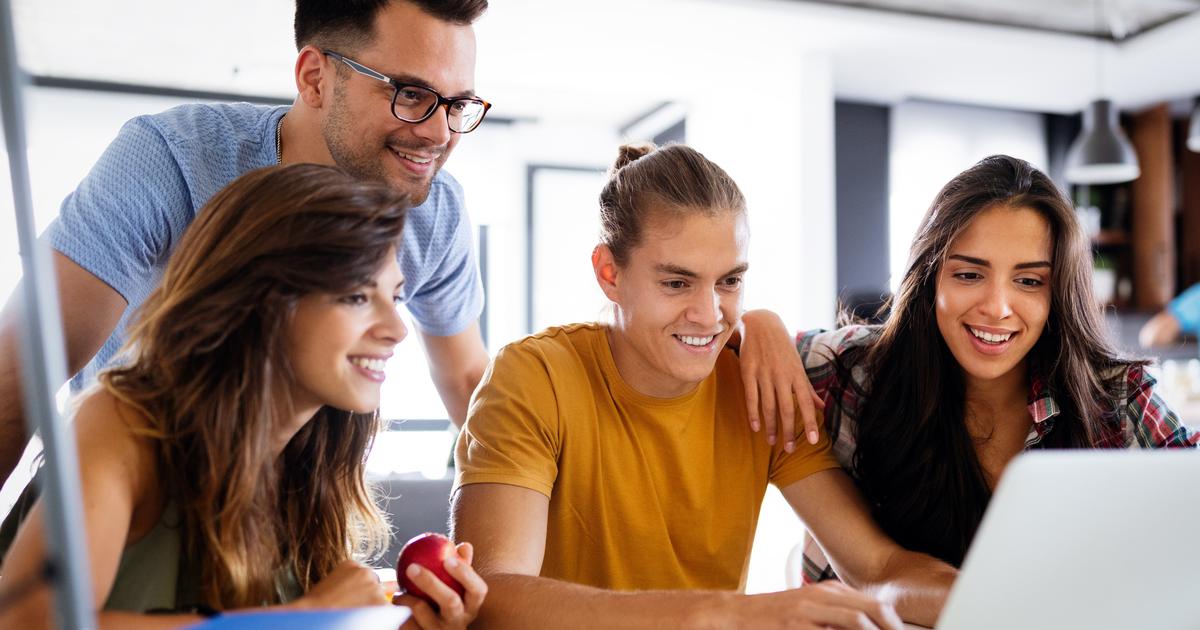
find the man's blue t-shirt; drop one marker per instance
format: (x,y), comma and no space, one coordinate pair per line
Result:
(1186,309)
(129,212)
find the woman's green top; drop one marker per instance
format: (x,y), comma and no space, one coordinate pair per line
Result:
(153,574)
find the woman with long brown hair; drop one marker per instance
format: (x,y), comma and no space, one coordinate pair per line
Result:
(223,461)
(994,344)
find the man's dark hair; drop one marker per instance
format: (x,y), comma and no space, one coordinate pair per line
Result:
(348,24)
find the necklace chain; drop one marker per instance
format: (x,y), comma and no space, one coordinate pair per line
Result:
(279,141)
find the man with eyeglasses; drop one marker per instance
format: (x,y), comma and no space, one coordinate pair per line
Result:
(385,91)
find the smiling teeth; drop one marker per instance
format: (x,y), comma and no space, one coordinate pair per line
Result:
(413,158)
(989,337)
(695,341)
(375,365)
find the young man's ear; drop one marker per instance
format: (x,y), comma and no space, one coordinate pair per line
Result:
(605,267)
(313,82)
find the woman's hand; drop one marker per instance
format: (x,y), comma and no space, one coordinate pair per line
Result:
(452,611)
(350,584)
(775,380)
(826,605)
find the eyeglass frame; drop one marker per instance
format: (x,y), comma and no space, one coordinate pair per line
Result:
(397,86)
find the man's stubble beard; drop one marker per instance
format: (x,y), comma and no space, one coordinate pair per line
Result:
(360,162)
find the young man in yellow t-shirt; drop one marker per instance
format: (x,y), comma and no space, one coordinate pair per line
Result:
(606,473)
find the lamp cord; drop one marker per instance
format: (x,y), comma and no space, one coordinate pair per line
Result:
(1100,91)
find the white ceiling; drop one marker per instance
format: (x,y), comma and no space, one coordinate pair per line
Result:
(1111,19)
(608,62)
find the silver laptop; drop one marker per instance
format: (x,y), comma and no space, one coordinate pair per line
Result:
(1086,539)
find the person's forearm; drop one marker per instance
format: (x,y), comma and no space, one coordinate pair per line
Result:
(915,583)
(525,601)
(136,621)
(12,409)
(36,612)
(455,391)
(456,363)
(1162,329)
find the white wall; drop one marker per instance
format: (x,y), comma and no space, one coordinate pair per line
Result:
(66,131)
(491,164)
(931,143)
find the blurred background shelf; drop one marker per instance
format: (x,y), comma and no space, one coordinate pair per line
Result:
(1111,238)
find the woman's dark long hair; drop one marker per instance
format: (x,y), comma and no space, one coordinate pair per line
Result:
(915,461)
(206,364)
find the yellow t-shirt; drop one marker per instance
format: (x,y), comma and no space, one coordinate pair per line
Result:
(645,493)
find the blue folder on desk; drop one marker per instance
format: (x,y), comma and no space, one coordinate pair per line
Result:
(369,618)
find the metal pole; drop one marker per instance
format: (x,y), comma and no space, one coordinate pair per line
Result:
(43,363)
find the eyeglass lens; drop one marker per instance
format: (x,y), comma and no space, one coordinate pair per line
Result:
(413,104)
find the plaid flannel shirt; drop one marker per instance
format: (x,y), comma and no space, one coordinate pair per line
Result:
(1140,419)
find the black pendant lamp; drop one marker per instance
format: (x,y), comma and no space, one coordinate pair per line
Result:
(1102,154)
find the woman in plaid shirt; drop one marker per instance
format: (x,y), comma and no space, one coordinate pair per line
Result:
(994,345)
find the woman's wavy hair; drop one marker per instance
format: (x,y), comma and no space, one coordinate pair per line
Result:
(915,461)
(206,371)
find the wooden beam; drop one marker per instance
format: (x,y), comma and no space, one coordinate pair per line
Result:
(1153,225)
(1189,207)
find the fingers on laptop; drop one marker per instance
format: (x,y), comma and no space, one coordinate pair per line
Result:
(348,584)
(835,605)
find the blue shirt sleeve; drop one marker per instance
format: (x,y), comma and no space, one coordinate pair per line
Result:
(1186,309)
(127,213)
(451,298)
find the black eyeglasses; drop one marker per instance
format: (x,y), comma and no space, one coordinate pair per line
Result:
(416,103)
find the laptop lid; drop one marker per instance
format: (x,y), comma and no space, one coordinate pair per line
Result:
(1086,539)
(367,618)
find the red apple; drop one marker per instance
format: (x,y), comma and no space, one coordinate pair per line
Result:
(429,550)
